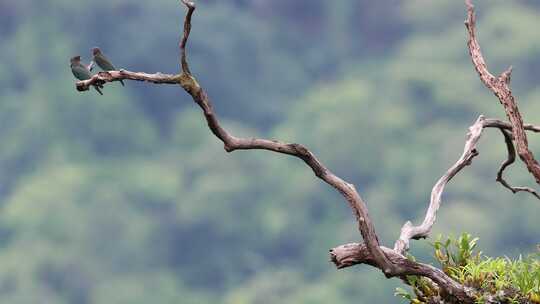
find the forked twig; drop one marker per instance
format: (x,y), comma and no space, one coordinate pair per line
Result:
(510,160)
(500,86)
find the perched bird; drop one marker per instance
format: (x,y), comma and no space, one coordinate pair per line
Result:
(80,71)
(103,62)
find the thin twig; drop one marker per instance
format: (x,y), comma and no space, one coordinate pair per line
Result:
(187,30)
(510,160)
(496,123)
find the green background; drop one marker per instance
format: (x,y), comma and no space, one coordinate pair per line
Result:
(128,198)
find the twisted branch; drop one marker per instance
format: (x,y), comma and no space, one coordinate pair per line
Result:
(232,143)
(408,231)
(500,86)
(510,160)
(378,256)
(355,253)
(187,30)
(390,261)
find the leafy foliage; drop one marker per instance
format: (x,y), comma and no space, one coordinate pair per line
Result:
(492,280)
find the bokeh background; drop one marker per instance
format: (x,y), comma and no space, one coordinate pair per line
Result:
(128,198)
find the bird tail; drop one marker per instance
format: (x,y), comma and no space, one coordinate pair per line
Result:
(98,90)
(122,82)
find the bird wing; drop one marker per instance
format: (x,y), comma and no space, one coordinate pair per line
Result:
(104,63)
(81,72)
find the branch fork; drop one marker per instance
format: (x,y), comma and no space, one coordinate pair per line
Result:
(392,262)
(500,86)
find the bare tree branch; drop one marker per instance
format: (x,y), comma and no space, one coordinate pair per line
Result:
(354,253)
(233,143)
(379,257)
(510,160)
(103,77)
(495,123)
(500,87)
(391,261)
(408,231)
(187,30)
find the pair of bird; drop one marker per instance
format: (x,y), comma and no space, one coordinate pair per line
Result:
(82,72)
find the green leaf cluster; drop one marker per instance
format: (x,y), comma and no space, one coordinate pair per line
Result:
(491,280)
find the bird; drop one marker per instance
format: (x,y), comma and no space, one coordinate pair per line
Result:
(81,72)
(103,62)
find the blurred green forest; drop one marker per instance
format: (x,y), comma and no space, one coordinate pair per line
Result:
(128,198)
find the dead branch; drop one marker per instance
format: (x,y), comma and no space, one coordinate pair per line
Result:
(103,77)
(187,30)
(379,256)
(500,86)
(495,123)
(510,160)
(391,261)
(348,255)
(408,231)
(232,143)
